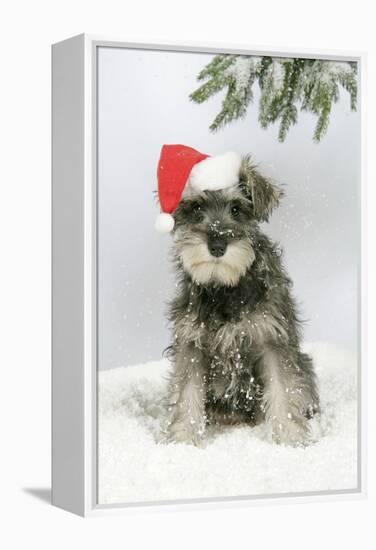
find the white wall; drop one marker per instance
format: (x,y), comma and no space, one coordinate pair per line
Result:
(143,103)
(25,300)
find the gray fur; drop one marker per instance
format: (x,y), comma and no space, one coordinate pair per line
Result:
(236,348)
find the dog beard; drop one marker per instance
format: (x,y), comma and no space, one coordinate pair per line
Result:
(205,269)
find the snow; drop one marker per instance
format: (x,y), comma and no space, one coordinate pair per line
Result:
(134,467)
(241,69)
(278,74)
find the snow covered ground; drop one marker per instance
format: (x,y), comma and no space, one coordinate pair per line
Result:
(133,467)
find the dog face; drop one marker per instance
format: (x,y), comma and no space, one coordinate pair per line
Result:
(214,229)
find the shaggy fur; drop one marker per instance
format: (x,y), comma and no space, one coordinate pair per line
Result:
(236,349)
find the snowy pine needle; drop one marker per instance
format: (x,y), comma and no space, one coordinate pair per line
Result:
(287,86)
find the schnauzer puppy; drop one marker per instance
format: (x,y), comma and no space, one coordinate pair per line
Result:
(236,350)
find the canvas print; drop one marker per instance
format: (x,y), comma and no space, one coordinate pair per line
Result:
(228,239)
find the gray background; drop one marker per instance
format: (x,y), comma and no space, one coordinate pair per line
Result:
(142,104)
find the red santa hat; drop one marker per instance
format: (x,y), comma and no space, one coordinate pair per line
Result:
(180,166)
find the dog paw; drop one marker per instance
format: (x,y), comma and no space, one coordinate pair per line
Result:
(293,433)
(179,432)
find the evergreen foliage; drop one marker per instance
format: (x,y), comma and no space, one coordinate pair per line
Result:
(286,84)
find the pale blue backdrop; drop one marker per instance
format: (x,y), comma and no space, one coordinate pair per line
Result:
(143,103)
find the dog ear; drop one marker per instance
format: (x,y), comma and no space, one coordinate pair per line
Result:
(263,193)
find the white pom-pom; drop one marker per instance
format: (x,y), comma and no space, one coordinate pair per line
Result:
(164,223)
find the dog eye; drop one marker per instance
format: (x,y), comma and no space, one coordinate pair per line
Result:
(196,212)
(235,210)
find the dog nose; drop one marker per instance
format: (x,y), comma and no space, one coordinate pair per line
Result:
(217,247)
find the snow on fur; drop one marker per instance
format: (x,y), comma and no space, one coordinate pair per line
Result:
(134,467)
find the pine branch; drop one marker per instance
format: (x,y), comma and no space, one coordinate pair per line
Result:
(287,86)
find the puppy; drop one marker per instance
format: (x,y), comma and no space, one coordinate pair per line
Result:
(235,352)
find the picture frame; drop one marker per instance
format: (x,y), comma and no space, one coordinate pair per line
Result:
(75,279)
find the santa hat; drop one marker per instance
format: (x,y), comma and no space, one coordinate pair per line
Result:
(180,166)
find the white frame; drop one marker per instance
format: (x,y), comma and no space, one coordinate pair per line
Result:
(74,268)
